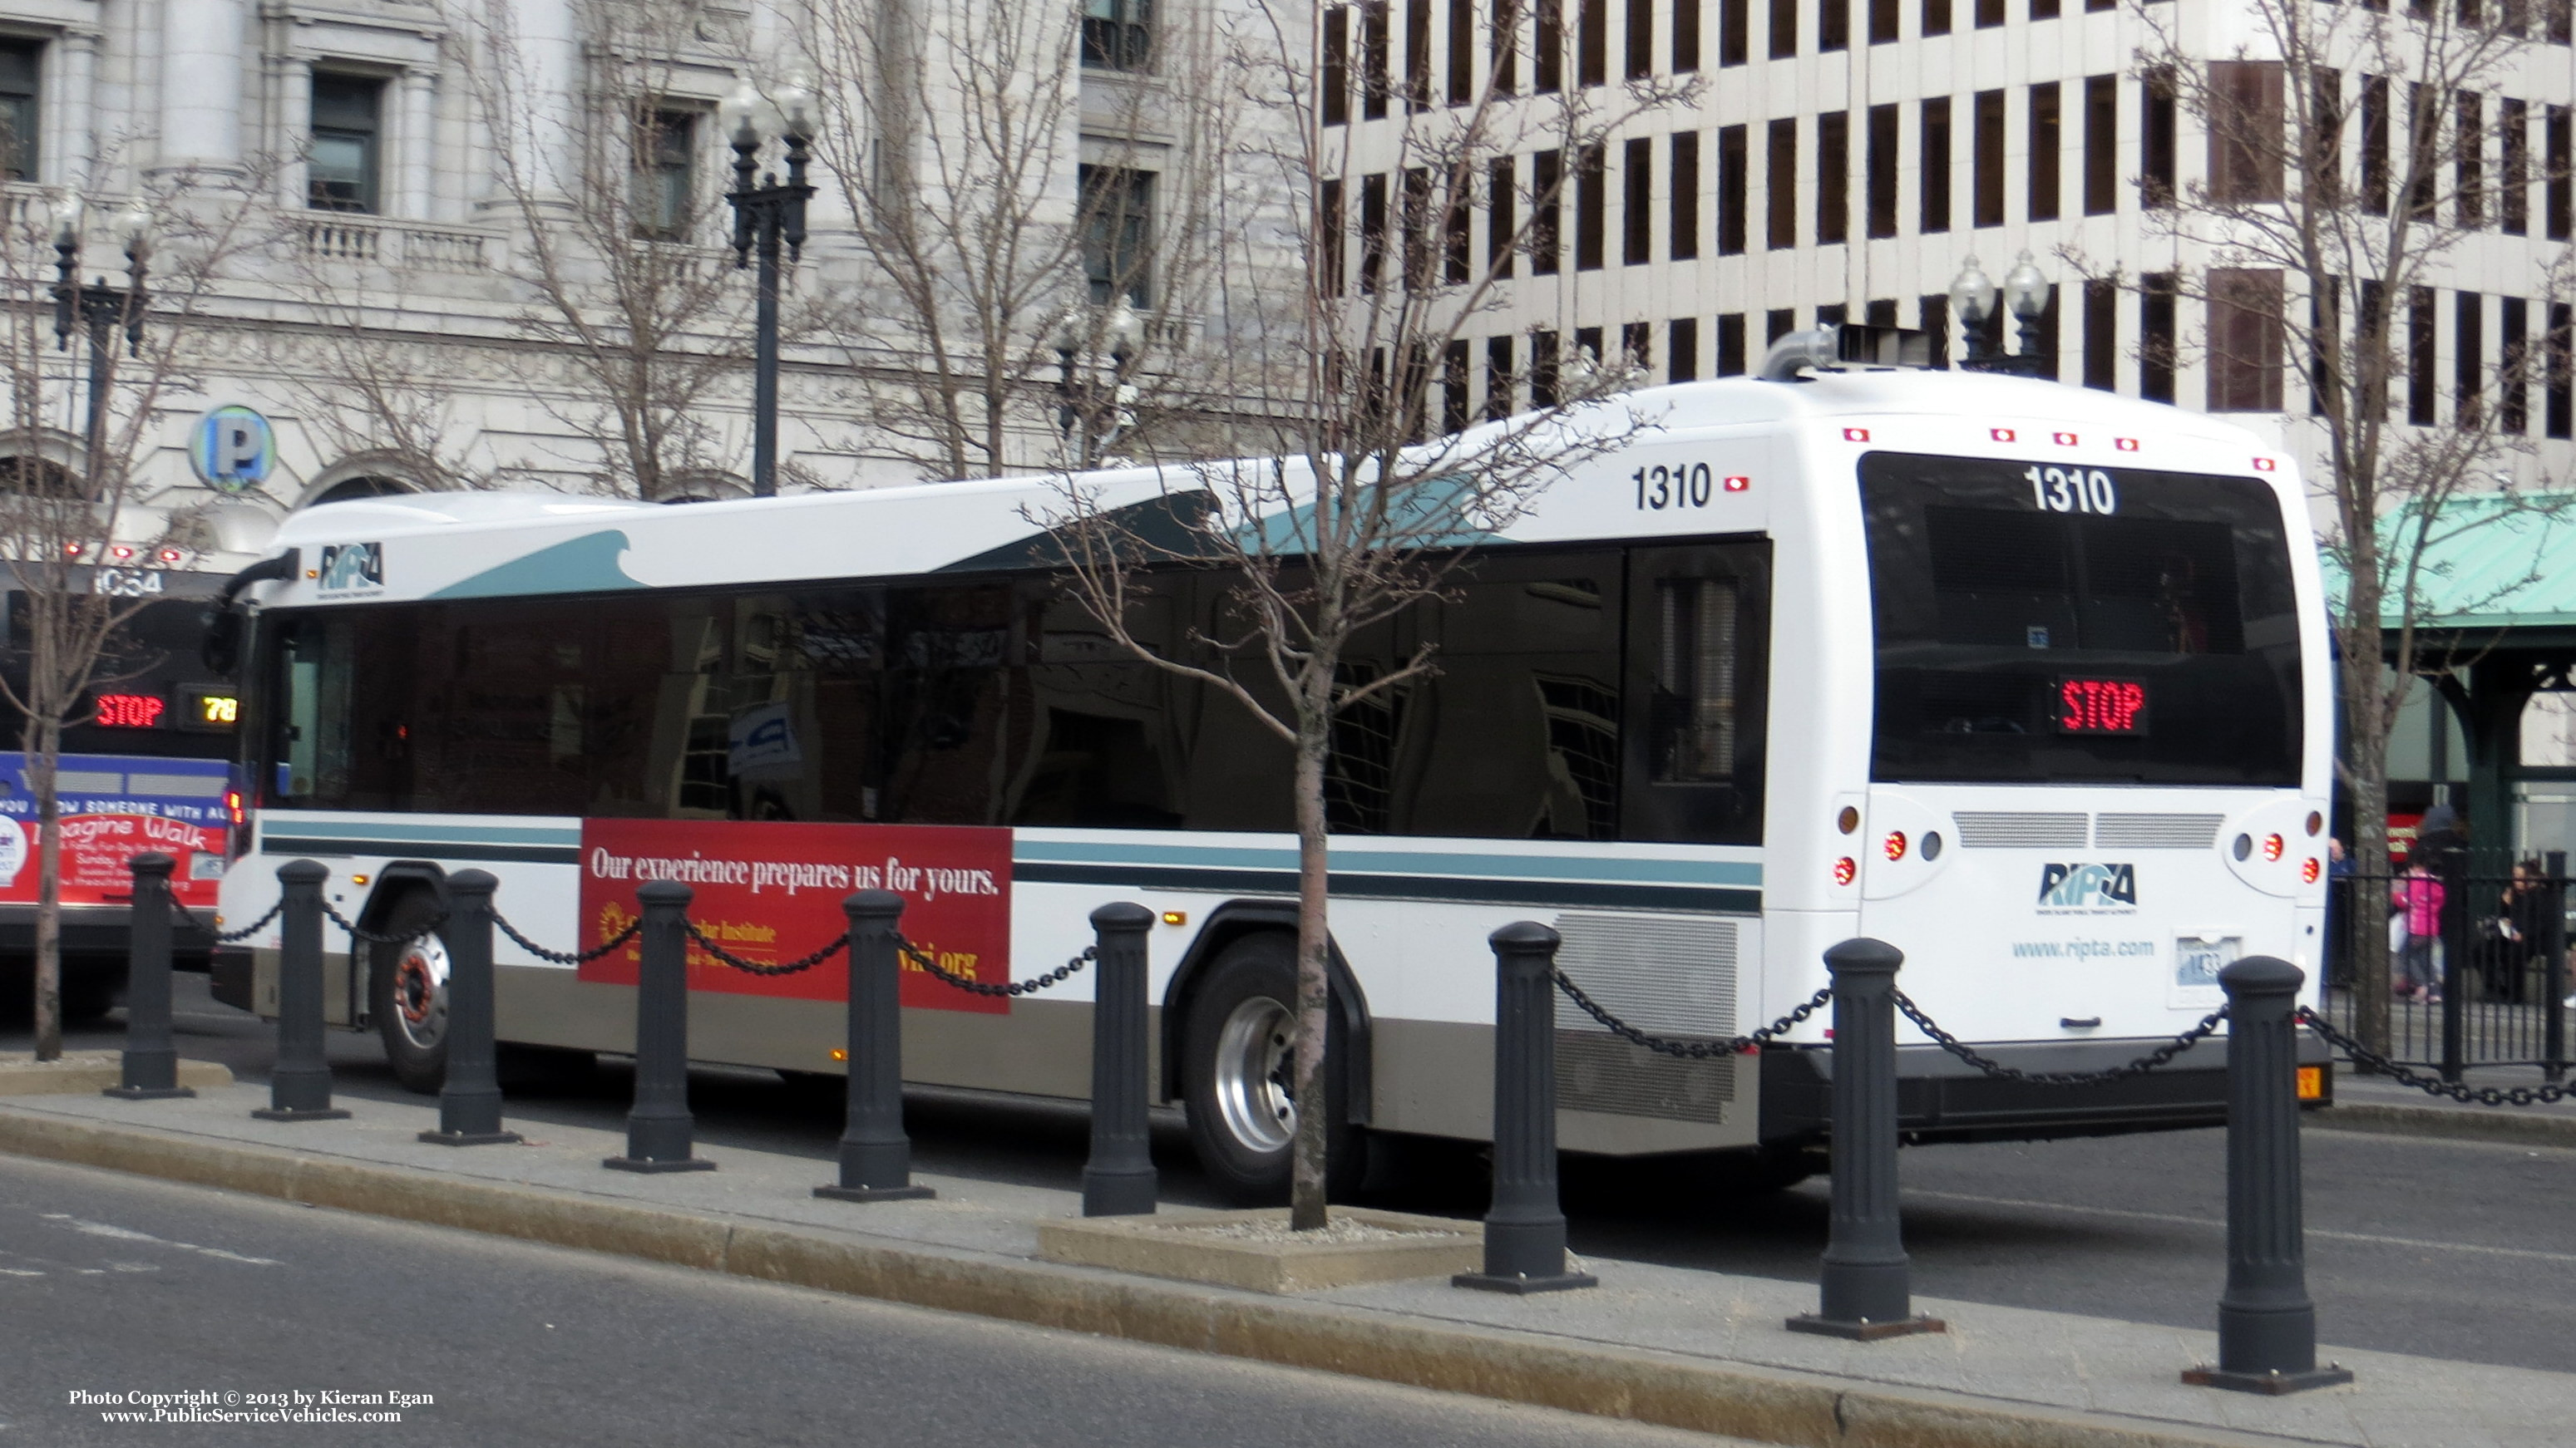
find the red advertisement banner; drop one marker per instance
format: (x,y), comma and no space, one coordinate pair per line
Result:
(771,892)
(97,849)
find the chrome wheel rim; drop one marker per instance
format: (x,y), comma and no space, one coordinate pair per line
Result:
(1255,1059)
(420,992)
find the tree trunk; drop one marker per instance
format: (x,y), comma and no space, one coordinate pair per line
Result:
(1306,1211)
(2365,762)
(43,770)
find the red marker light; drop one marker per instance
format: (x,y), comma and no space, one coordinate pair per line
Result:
(1846,870)
(2264,465)
(1895,845)
(2272,847)
(2125,444)
(73,549)
(2000,434)
(2062,439)
(2308,872)
(1739,485)
(170,555)
(1855,434)
(121,551)
(233,806)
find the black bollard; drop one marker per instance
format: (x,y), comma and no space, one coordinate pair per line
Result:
(1524,1227)
(299,1089)
(658,1125)
(151,1068)
(1119,1179)
(469,1099)
(2267,1327)
(1866,1288)
(876,1156)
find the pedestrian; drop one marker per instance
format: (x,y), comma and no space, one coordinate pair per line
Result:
(2520,931)
(2417,897)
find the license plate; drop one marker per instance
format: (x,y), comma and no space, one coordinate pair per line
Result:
(2198,960)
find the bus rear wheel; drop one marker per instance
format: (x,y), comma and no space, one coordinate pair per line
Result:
(407,994)
(1239,1069)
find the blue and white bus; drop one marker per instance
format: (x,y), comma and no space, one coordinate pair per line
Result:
(2025,679)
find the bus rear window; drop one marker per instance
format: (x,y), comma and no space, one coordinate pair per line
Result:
(2079,624)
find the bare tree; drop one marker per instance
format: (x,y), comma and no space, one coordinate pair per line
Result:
(638,316)
(71,503)
(1381,488)
(2347,172)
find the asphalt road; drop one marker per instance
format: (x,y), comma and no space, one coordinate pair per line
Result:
(120,1285)
(2446,1249)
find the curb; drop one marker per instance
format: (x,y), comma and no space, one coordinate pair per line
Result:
(1772,1405)
(2465,1124)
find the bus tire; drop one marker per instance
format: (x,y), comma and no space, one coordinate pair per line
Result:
(1236,1063)
(407,994)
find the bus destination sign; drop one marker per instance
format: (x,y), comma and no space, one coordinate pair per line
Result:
(771,892)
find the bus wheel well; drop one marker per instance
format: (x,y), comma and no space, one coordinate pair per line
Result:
(1229,923)
(398,881)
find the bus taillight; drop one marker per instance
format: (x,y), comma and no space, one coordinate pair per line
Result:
(1895,845)
(2308,872)
(2273,845)
(1846,870)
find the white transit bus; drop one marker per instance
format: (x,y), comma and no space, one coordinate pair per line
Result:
(2027,680)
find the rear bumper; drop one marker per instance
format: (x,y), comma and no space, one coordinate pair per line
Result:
(1942,1098)
(100,930)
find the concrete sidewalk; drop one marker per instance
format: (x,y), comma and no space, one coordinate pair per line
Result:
(2376,1103)
(1690,1349)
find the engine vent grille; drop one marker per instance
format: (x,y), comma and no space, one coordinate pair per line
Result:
(2021,830)
(2156,831)
(1675,978)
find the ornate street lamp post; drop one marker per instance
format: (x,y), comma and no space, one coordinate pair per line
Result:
(768,217)
(1973,296)
(98,310)
(1089,416)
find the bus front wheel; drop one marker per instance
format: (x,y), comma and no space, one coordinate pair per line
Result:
(1239,1058)
(407,994)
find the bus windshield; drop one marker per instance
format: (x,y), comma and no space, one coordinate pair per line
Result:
(2039,623)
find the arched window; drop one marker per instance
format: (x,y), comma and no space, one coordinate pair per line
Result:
(361,487)
(38,477)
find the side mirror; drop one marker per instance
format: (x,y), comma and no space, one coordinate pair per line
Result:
(221,650)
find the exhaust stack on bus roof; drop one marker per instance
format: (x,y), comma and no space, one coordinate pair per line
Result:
(1846,345)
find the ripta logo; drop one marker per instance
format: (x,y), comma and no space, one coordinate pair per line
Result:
(351,568)
(2088,887)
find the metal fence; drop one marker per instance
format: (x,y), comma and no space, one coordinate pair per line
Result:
(2471,954)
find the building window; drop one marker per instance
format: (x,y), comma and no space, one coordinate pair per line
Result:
(1936,17)
(666,174)
(2513,408)
(2244,132)
(1502,197)
(1932,316)
(2044,9)
(1335,83)
(1545,361)
(2156,356)
(1462,51)
(2374,144)
(2559,190)
(1454,366)
(1592,21)
(1685,36)
(20,62)
(1498,377)
(1372,236)
(1988,183)
(1591,208)
(1550,33)
(1685,201)
(1118,232)
(1641,39)
(2101,145)
(1681,350)
(1936,164)
(341,173)
(1777,323)
(1547,202)
(2245,339)
(2420,354)
(1881,165)
(2469,161)
(2468,357)
(2044,161)
(1636,347)
(1833,178)
(1503,41)
(1833,25)
(1882,22)
(1732,167)
(1989,13)
(1734,31)
(1780,183)
(2513,136)
(1375,45)
(1784,29)
(1328,237)
(1117,34)
(2161,144)
(1730,344)
(2102,334)
(1457,229)
(1637,215)
(2560,407)
(1416,220)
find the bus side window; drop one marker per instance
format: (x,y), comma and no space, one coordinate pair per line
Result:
(1698,627)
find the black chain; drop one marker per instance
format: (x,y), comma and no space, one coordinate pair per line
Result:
(1687,1050)
(972,986)
(2161,1056)
(830,948)
(426,928)
(230,937)
(567,957)
(2433,1085)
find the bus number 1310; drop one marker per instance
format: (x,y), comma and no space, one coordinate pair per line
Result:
(2072,490)
(1661,487)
